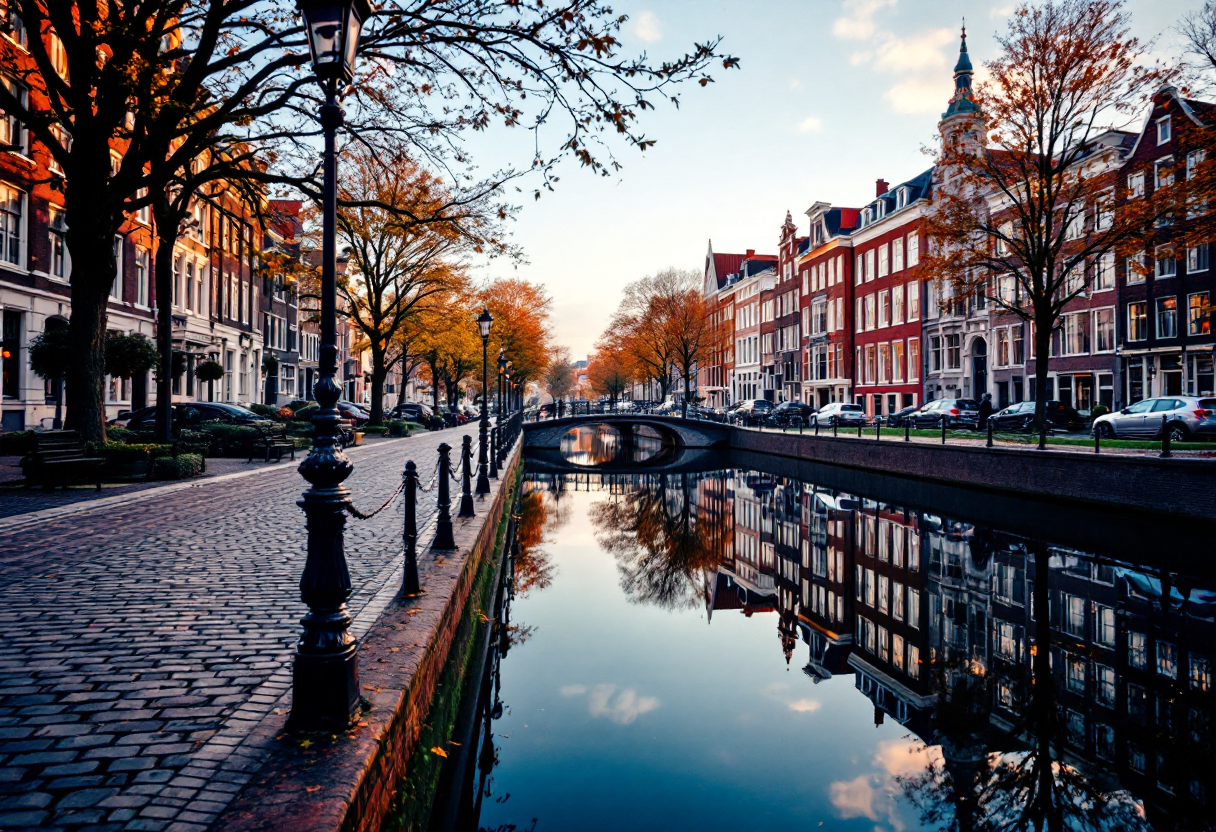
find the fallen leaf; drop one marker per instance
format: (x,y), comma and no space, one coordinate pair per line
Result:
(311,789)
(439,751)
(393,649)
(306,744)
(413,612)
(453,742)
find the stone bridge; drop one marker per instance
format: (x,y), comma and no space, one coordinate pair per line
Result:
(672,430)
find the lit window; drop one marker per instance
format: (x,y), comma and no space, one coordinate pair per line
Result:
(1137,321)
(1167,317)
(1137,650)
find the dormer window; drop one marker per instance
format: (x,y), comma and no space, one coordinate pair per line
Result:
(1163,130)
(880,209)
(865,217)
(901,198)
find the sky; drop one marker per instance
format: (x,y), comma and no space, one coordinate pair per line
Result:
(829,97)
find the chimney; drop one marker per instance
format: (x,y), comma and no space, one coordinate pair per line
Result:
(881,187)
(751,252)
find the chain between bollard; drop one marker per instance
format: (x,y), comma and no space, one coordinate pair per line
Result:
(359,515)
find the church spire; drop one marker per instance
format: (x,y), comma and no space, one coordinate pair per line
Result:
(963,100)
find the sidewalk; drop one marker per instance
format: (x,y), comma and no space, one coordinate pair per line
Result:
(150,631)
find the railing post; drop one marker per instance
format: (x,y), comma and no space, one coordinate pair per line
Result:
(410,586)
(835,426)
(877,429)
(466,478)
(816,425)
(1165,438)
(443,528)
(943,428)
(860,425)
(1097,442)
(989,425)
(494,443)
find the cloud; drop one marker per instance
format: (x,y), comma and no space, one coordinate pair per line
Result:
(858,21)
(923,64)
(810,124)
(805,706)
(646,27)
(903,757)
(854,799)
(622,707)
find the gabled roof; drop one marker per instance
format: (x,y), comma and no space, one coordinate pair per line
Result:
(725,265)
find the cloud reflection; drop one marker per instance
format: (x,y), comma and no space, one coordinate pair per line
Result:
(622,706)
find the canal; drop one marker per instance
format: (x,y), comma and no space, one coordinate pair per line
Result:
(732,649)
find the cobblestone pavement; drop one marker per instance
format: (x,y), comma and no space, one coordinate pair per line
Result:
(142,639)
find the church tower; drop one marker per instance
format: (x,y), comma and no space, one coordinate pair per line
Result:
(963,122)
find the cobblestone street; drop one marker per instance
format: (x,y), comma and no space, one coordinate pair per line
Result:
(145,635)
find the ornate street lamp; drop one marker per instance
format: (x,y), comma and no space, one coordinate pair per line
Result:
(483,449)
(325,685)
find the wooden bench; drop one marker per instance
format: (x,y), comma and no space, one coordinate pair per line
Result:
(60,458)
(274,441)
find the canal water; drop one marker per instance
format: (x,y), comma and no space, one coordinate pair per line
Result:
(736,650)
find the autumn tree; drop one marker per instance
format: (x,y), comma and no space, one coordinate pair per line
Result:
(559,375)
(1023,203)
(686,322)
(639,336)
(449,346)
(608,371)
(521,325)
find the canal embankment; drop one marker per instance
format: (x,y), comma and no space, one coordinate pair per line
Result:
(354,781)
(1179,487)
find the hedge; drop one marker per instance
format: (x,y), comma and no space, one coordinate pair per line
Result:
(121,435)
(265,410)
(374,430)
(16,443)
(180,467)
(230,440)
(121,453)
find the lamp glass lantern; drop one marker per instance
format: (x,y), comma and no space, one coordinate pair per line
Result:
(333,34)
(483,322)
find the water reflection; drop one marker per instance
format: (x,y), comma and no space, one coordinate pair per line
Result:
(590,445)
(1041,687)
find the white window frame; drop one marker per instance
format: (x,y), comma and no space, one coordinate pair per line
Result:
(1164,130)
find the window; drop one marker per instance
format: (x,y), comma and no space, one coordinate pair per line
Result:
(1167,660)
(16,27)
(1007,643)
(116,254)
(1199,315)
(1104,742)
(1104,685)
(287,380)
(913,608)
(1167,266)
(913,661)
(1197,259)
(913,248)
(1074,615)
(12,131)
(1074,329)
(141,277)
(869,265)
(12,215)
(897,362)
(869,307)
(884,305)
(1135,185)
(59,57)
(1193,160)
(56,231)
(935,353)
(913,362)
(897,256)
(1103,214)
(1104,625)
(1137,321)
(1163,173)
(1076,221)
(1163,130)
(884,363)
(884,262)
(913,290)
(1136,270)
(859,318)
(1074,671)
(954,352)
(1104,272)
(1137,650)
(1167,317)
(1201,673)
(897,305)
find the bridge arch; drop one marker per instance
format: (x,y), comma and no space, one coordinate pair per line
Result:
(673,431)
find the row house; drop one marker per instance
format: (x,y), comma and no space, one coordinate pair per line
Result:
(825,266)
(715,373)
(786,348)
(887,297)
(750,289)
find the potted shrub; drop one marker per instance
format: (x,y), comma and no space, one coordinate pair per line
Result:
(209,371)
(50,357)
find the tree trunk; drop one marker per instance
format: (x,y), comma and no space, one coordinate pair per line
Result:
(687,393)
(163,270)
(90,243)
(1042,354)
(379,372)
(1045,811)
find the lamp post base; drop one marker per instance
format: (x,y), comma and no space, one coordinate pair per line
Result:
(325,691)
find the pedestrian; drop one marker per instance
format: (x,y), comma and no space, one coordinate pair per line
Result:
(985,410)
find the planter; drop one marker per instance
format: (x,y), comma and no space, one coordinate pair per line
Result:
(358,437)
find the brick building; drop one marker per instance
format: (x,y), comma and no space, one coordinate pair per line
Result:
(787,316)
(825,266)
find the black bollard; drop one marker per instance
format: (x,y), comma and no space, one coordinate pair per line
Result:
(816,425)
(494,452)
(443,528)
(907,430)
(878,430)
(860,425)
(410,585)
(1165,438)
(835,426)
(989,434)
(466,478)
(1097,442)
(943,430)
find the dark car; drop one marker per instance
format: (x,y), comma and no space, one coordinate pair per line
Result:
(750,411)
(1020,417)
(898,418)
(354,412)
(410,411)
(189,414)
(958,413)
(791,413)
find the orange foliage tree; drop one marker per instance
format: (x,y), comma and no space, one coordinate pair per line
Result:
(608,371)
(521,325)
(1023,202)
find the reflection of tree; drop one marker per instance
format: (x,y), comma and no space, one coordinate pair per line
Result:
(664,546)
(1027,785)
(540,513)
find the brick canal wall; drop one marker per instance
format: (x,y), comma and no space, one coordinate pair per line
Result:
(347,783)
(1179,487)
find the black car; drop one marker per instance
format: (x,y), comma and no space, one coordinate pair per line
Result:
(189,414)
(750,412)
(1020,417)
(791,413)
(898,418)
(410,411)
(958,413)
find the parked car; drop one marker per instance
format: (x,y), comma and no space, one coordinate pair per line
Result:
(189,414)
(411,411)
(791,413)
(1020,417)
(1185,416)
(898,418)
(839,413)
(354,412)
(625,406)
(959,413)
(750,411)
